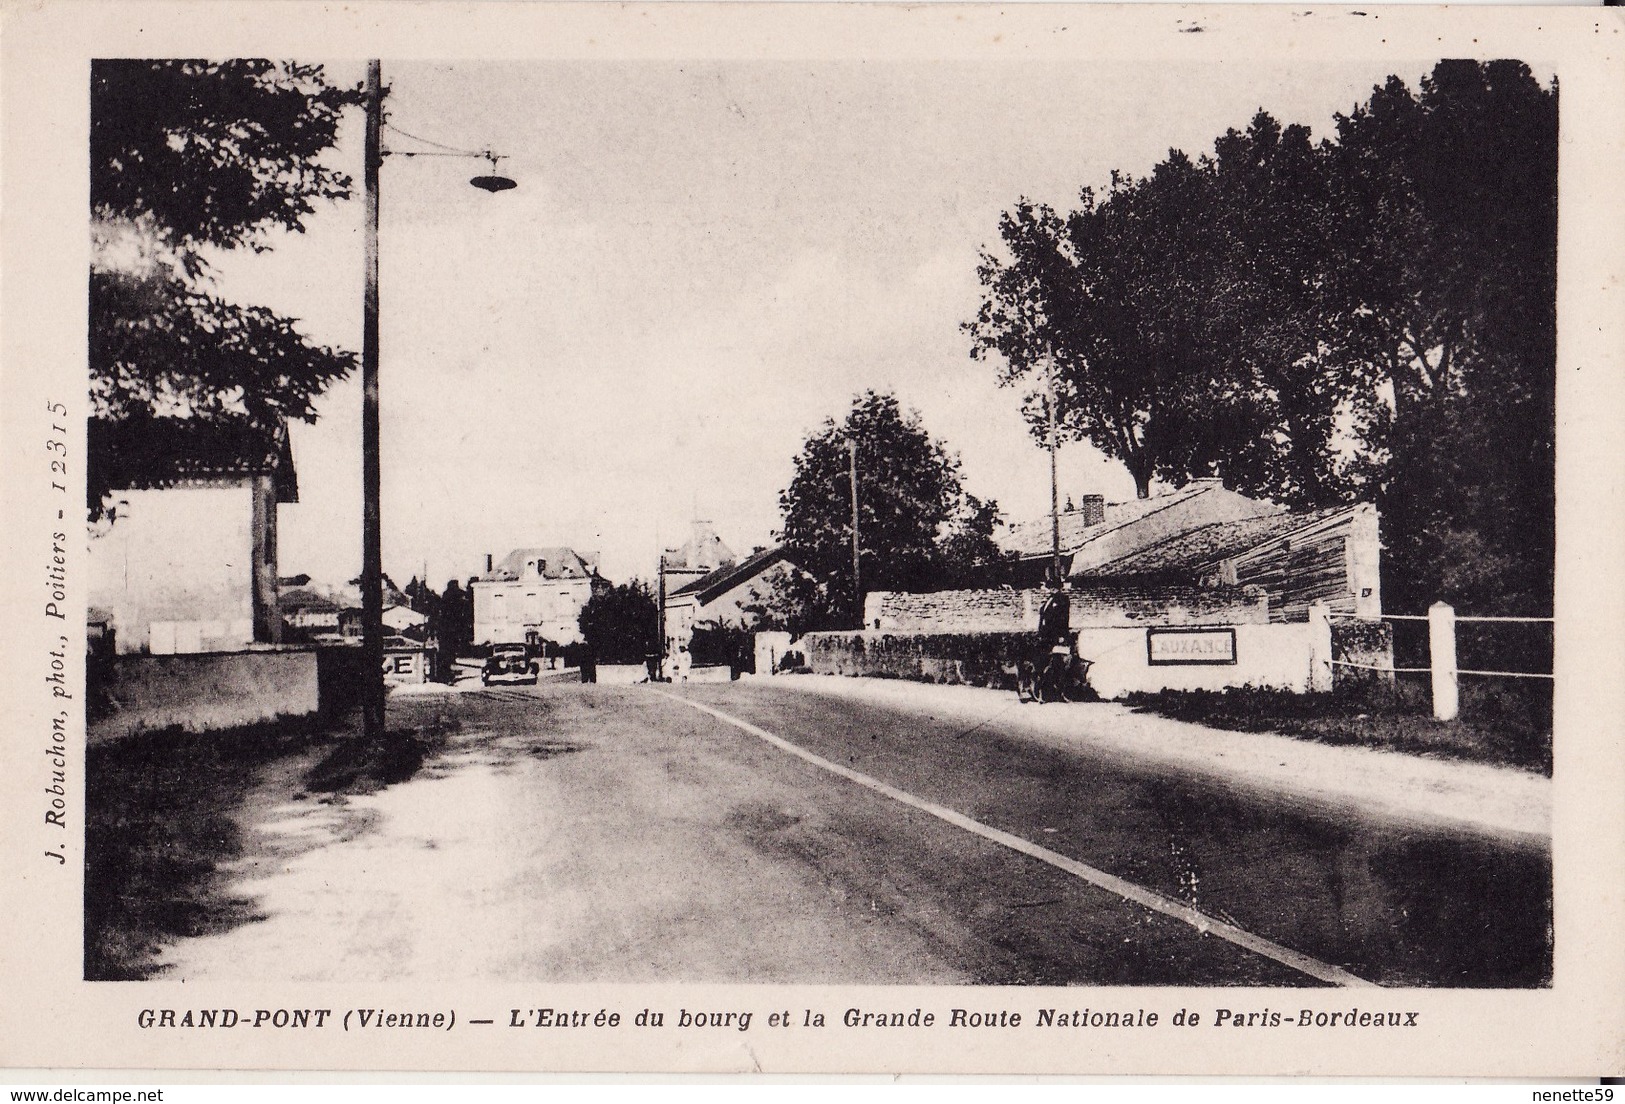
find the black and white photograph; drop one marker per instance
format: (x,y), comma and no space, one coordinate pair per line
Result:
(1003,535)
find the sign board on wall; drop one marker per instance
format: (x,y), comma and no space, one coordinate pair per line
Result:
(407,665)
(1185,647)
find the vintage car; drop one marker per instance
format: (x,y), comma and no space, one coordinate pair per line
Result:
(509,663)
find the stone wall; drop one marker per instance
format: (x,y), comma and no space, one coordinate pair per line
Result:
(204,691)
(1008,610)
(959,659)
(1295,657)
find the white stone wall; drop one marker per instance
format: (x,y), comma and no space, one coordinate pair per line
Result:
(1291,657)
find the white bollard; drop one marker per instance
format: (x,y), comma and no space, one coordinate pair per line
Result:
(1442,658)
(1320,648)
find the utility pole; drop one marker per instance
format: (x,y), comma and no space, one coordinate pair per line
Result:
(857,569)
(1054,483)
(372,558)
(660,611)
(372,593)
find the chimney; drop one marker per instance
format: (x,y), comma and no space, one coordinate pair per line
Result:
(1093,509)
(488,564)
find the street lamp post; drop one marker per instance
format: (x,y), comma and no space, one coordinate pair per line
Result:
(372,572)
(372,569)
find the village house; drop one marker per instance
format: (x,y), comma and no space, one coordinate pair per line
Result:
(1204,535)
(191,566)
(182,581)
(722,598)
(534,595)
(332,614)
(1199,588)
(700,555)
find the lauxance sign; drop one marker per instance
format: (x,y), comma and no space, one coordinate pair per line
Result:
(1186,647)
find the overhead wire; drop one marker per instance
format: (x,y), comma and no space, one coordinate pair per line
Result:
(451,150)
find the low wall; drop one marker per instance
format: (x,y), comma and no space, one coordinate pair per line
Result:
(1292,657)
(960,659)
(204,691)
(1009,610)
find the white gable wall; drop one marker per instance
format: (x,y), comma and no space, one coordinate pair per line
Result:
(175,568)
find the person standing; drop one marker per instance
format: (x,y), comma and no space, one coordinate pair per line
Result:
(1053,661)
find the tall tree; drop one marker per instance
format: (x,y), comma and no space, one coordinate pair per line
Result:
(620,623)
(1266,410)
(188,156)
(910,501)
(1449,276)
(1105,308)
(1372,315)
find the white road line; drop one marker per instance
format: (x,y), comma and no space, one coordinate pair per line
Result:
(1156,902)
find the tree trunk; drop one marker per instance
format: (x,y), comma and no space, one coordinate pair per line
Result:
(1139,466)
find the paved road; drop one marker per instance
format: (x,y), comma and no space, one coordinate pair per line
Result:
(750,832)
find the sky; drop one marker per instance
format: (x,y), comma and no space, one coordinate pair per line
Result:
(702,262)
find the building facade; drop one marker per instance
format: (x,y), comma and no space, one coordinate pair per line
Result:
(722,598)
(1204,535)
(534,595)
(191,566)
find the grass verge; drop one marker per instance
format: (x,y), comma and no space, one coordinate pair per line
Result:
(163,820)
(1495,727)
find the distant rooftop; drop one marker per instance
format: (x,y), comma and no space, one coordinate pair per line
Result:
(1032,537)
(703,551)
(723,579)
(554,562)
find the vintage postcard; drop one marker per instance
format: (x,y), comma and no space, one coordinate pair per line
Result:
(813,539)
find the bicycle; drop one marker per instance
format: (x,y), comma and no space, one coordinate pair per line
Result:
(1063,676)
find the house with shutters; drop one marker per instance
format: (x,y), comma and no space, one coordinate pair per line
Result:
(534,595)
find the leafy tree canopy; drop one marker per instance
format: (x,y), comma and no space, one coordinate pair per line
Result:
(1372,316)
(620,624)
(916,524)
(188,156)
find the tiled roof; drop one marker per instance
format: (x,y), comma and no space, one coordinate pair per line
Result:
(306,597)
(194,448)
(560,563)
(703,551)
(724,579)
(1188,553)
(1032,538)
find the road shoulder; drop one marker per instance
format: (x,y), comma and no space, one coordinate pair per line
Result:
(1501,803)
